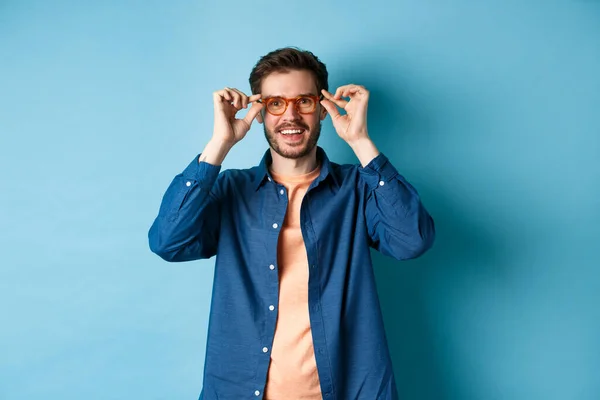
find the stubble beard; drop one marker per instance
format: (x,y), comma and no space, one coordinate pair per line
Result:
(301,150)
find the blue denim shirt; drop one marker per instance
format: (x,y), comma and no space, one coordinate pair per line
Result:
(237,215)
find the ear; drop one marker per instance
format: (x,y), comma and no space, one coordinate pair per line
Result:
(323,112)
(259,117)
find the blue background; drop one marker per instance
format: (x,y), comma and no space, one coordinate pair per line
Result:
(491,111)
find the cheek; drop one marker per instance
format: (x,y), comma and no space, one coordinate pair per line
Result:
(271,122)
(313,119)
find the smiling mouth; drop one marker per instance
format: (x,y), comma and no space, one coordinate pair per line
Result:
(291,132)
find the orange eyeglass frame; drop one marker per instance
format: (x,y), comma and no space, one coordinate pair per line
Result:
(266,101)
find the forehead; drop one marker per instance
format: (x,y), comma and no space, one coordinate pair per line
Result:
(288,84)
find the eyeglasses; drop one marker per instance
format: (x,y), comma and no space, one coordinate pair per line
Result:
(305,104)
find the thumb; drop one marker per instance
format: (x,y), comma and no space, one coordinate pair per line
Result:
(331,109)
(253,112)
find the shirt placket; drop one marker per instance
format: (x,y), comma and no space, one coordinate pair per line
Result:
(273,224)
(314,300)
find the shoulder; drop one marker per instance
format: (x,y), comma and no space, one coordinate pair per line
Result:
(238,178)
(344,173)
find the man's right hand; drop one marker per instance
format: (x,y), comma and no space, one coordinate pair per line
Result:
(227,102)
(227,129)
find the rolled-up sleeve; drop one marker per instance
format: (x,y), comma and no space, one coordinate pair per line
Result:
(187,225)
(398,224)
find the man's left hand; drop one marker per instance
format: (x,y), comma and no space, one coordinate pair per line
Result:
(352,127)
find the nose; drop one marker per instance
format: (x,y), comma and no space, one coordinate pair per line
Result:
(291,113)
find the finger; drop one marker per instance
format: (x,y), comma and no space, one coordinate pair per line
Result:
(236,98)
(252,113)
(222,100)
(339,91)
(236,101)
(331,109)
(354,90)
(254,97)
(346,90)
(243,97)
(222,94)
(339,102)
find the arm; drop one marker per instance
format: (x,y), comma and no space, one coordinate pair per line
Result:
(187,225)
(397,222)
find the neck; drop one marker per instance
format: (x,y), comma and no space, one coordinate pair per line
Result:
(293,167)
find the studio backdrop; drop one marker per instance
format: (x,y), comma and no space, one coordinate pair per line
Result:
(490,109)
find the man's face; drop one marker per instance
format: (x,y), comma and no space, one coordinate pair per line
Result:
(291,135)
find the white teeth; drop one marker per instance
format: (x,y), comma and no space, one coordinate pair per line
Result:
(291,131)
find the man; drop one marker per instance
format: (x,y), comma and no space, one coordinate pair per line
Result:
(295,312)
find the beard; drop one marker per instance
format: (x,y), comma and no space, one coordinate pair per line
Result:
(296,150)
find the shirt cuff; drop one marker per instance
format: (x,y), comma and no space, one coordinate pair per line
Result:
(380,169)
(202,173)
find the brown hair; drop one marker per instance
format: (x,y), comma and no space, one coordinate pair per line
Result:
(288,59)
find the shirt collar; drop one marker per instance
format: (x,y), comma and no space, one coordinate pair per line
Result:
(263,174)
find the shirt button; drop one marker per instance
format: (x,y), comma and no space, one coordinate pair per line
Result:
(269,178)
(271,307)
(265,349)
(271,267)
(275,226)
(281,191)
(188,184)
(381,183)
(257,393)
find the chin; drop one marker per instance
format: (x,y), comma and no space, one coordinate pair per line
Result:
(292,152)
(287,147)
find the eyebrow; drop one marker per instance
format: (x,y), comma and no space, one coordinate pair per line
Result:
(302,94)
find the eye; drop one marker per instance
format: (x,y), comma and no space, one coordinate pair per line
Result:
(305,103)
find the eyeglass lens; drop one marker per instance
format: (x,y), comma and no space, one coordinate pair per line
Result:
(304,104)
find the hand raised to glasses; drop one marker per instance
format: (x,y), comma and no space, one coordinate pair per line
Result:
(227,102)
(351,127)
